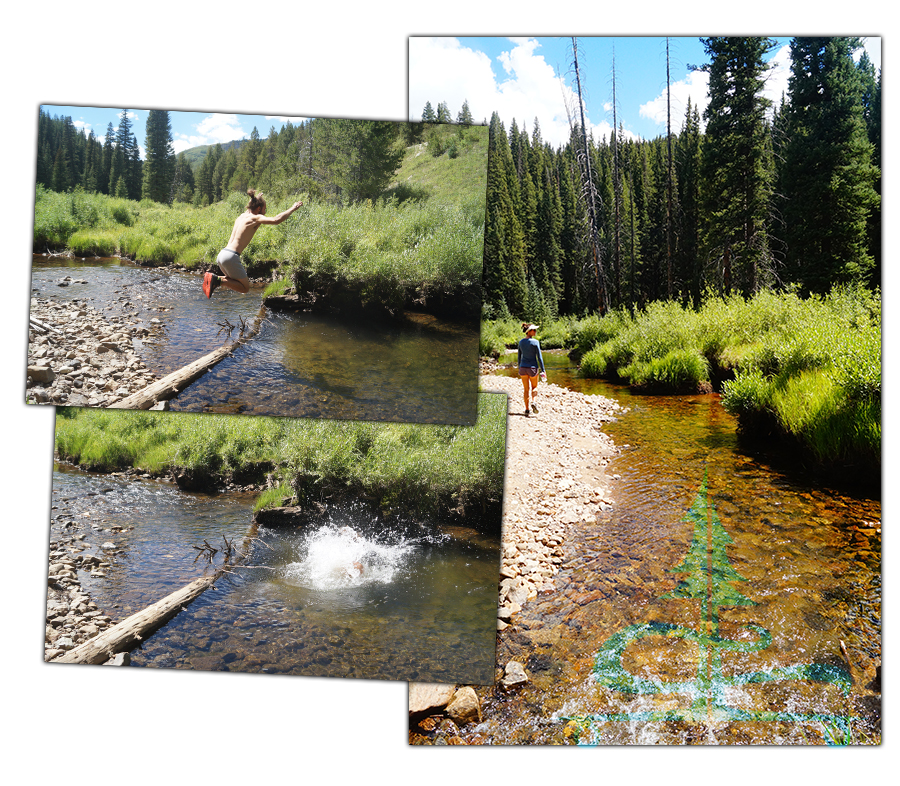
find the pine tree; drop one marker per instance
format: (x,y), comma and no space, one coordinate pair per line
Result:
(505,284)
(737,186)
(103,176)
(708,573)
(443,113)
(687,167)
(428,115)
(828,173)
(61,178)
(126,143)
(464,118)
(159,164)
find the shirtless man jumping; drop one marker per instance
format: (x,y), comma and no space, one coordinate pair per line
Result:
(229,259)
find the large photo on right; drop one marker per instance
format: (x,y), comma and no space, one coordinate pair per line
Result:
(682,299)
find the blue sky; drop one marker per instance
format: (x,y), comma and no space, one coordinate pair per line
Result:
(189,129)
(526,77)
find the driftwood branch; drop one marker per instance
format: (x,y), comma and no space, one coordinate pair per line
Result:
(43,325)
(169,386)
(130,632)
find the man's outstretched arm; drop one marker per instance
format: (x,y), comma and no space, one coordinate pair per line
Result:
(281,216)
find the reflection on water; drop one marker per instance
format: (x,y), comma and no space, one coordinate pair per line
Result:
(300,365)
(374,602)
(723,626)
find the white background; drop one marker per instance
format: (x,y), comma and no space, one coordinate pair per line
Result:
(73,724)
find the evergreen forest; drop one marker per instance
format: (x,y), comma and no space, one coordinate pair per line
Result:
(328,159)
(750,197)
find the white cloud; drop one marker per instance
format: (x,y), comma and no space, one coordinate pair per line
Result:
(213,129)
(695,86)
(442,69)
(872,46)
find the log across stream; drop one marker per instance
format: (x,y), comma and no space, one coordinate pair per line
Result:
(423,607)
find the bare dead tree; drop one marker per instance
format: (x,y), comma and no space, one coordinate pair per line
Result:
(669,176)
(617,192)
(589,193)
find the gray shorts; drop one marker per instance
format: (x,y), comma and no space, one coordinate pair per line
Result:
(230,264)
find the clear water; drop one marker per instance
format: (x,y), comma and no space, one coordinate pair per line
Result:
(300,365)
(805,556)
(380,602)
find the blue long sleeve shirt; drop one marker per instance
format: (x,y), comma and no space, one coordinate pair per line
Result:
(530,354)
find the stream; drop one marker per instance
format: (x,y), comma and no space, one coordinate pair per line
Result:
(347,597)
(300,365)
(708,606)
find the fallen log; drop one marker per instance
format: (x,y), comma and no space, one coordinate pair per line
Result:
(172,384)
(130,632)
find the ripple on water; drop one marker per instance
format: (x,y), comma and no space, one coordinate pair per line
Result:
(300,365)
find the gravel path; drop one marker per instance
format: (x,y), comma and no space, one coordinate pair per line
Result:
(555,478)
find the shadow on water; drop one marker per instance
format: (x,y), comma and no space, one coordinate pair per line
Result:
(300,365)
(374,602)
(711,605)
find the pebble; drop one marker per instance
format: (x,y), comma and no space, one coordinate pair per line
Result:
(555,480)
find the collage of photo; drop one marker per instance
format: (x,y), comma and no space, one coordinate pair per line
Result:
(559,400)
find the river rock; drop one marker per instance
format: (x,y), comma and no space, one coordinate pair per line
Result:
(72,363)
(464,707)
(514,676)
(41,375)
(429,697)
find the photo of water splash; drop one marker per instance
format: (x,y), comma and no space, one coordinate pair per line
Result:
(334,558)
(349,595)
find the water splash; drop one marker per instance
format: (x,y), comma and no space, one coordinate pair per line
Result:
(335,557)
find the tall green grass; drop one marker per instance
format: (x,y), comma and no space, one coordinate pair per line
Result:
(57,217)
(808,369)
(417,468)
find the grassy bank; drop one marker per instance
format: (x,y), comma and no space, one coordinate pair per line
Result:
(425,234)
(418,469)
(806,369)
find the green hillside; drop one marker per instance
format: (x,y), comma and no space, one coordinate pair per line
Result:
(195,155)
(448,164)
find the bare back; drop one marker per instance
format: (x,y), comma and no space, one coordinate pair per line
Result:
(245,227)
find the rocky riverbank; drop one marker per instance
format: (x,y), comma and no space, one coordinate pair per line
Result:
(72,617)
(79,357)
(555,479)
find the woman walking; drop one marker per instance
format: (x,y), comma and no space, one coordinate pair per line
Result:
(530,360)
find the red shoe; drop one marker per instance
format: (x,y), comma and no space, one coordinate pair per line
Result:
(210,283)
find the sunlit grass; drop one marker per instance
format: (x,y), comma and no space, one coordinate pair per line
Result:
(419,468)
